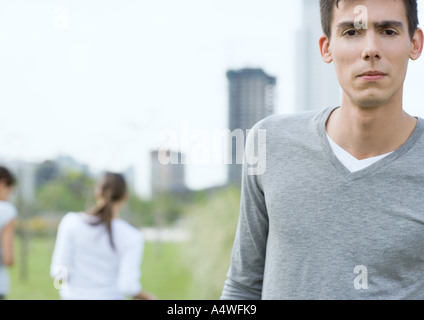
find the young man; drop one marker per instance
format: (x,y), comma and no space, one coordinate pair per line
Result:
(339,212)
(7,220)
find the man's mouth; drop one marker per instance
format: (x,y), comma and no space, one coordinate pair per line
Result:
(372,75)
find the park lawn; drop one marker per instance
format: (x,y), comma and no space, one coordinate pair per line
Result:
(163,272)
(35,283)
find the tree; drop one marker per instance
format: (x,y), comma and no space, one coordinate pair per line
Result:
(46,171)
(73,191)
(140,211)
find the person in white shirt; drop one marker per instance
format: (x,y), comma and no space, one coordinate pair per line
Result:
(8,216)
(97,255)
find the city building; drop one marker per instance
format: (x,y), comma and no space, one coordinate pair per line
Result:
(129,175)
(317,85)
(167,178)
(251,99)
(67,163)
(25,175)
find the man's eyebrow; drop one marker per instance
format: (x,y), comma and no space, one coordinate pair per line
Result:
(345,25)
(388,24)
(378,25)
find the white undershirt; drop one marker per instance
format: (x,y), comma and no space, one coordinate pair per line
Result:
(349,161)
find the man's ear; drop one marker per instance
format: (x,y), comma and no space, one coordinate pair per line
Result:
(417,44)
(324,46)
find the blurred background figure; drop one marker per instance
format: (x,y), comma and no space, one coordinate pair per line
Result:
(97,254)
(8,215)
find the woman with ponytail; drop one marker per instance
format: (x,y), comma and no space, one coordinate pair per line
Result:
(97,255)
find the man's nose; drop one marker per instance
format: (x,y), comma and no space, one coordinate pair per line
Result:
(371,49)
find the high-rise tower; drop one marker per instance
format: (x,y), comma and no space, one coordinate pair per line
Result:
(251,98)
(317,85)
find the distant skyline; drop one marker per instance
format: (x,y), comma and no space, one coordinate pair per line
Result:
(100,80)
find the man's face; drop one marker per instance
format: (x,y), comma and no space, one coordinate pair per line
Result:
(371,64)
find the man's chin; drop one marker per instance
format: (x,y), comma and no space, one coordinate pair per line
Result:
(372,102)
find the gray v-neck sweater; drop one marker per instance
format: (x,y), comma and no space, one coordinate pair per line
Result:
(311,229)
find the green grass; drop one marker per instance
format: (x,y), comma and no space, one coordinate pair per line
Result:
(163,272)
(37,284)
(212,226)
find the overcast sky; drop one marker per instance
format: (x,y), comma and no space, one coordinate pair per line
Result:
(100,80)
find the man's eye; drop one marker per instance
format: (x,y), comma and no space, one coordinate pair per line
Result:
(350,33)
(390,32)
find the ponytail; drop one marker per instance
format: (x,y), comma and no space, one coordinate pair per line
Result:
(104,211)
(111,189)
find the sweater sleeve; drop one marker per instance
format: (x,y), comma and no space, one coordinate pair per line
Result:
(245,275)
(129,278)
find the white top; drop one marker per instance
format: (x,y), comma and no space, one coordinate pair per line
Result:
(7,213)
(349,161)
(90,268)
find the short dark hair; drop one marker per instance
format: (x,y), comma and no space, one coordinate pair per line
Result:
(7,176)
(327,9)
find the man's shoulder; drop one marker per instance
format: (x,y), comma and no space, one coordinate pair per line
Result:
(289,120)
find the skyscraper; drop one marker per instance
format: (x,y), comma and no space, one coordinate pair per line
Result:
(317,85)
(167,178)
(251,98)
